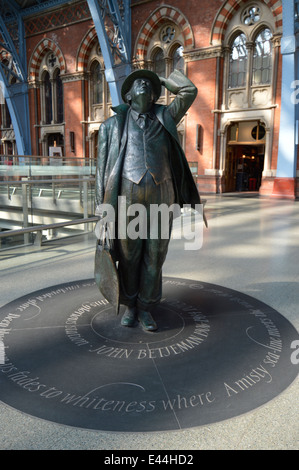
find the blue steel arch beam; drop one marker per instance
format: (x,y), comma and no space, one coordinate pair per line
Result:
(13,75)
(112,21)
(287,149)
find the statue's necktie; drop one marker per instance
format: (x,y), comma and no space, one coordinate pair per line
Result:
(142,121)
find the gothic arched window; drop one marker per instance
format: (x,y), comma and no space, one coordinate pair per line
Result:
(238,62)
(52,110)
(177,61)
(159,63)
(160,66)
(250,62)
(262,58)
(6,119)
(97,79)
(164,53)
(58,89)
(48,110)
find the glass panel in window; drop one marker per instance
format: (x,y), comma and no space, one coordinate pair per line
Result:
(177,59)
(97,84)
(159,63)
(48,98)
(59,97)
(109,100)
(262,58)
(238,62)
(7,117)
(160,66)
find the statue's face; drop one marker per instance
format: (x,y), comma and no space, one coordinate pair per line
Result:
(142,88)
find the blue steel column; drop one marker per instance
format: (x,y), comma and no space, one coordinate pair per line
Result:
(287,150)
(17,101)
(16,94)
(102,10)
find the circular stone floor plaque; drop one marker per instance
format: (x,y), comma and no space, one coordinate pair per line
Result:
(217,354)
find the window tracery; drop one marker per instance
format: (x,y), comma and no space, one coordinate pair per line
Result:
(165,53)
(51,91)
(99,94)
(250,58)
(238,62)
(168,34)
(251,15)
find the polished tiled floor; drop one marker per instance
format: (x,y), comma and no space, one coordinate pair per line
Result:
(252,246)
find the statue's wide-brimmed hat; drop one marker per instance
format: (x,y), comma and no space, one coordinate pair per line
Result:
(141,73)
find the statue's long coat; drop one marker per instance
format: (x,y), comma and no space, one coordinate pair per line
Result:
(112,143)
(111,153)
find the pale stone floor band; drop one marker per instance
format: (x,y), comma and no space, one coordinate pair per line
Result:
(251,246)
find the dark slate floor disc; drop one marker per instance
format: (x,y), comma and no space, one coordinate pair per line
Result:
(217,354)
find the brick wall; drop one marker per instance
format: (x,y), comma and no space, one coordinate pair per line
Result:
(203,75)
(200,16)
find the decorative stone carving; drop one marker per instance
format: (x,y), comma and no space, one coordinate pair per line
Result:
(98,112)
(8,134)
(203,53)
(261,97)
(237,99)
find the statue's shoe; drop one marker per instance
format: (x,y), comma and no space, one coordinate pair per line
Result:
(147,321)
(129,317)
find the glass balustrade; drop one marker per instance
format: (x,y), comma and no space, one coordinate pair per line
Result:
(44,191)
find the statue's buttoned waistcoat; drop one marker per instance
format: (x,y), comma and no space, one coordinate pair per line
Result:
(147,150)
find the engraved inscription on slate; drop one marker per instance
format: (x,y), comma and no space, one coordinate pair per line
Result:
(217,354)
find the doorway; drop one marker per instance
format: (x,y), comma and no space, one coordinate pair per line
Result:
(55,140)
(244,167)
(245,153)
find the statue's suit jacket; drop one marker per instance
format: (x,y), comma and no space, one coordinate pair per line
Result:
(112,146)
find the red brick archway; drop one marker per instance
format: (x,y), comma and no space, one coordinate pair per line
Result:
(86,45)
(160,15)
(85,48)
(39,52)
(230,7)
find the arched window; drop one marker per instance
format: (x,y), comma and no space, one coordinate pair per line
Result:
(177,61)
(6,118)
(238,62)
(52,102)
(52,110)
(108,99)
(159,63)
(164,52)
(58,87)
(249,57)
(48,114)
(160,66)
(47,71)
(96,83)
(262,58)
(99,95)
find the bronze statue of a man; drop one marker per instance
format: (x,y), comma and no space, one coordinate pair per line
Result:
(140,158)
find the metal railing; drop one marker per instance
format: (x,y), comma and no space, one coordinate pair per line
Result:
(40,193)
(14,168)
(32,165)
(40,228)
(53,183)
